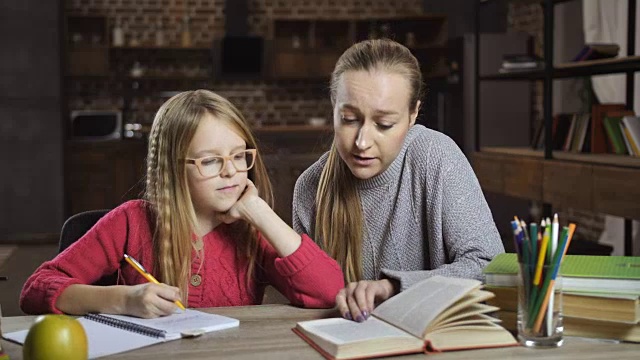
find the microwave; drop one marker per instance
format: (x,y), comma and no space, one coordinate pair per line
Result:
(96,125)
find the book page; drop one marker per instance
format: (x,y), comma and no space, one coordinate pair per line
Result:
(414,309)
(344,339)
(183,322)
(341,331)
(475,297)
(479,319)
(470,337)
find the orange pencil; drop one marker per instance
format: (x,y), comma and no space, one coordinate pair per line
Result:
(543,307)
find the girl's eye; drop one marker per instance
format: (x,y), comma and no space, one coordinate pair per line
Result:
(212,161)
(349,119)
(385,126)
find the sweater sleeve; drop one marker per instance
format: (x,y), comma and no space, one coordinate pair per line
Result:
(468,233)
(94,255)
(308,277)
(299,204)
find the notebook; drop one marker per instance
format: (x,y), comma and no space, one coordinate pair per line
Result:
(113,334)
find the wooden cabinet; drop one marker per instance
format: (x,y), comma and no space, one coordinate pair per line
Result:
(599,183)
(87,43)
(309,48)
(284,170)
(287,154)
(102,175)
(425,35)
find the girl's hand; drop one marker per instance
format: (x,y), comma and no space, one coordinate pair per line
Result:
(358,299)
(151,300)
(242,207)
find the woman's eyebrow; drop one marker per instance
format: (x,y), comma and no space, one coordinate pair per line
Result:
(386,112)
(349,107)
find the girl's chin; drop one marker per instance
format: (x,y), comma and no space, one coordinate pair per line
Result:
(224,206)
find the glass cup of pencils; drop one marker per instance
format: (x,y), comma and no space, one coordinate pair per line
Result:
(540,250)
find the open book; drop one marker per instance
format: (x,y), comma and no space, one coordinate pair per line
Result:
(112,334)
(436,314)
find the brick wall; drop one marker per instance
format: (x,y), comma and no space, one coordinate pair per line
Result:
(529,18)
(267,102)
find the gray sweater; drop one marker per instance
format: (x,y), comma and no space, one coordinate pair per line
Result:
(425,215)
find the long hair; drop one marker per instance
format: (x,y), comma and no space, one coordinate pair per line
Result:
(339,221)
(167,188)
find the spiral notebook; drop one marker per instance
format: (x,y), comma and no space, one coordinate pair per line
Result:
(112,334)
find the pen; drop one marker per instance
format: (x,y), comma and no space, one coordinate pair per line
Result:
(136,265)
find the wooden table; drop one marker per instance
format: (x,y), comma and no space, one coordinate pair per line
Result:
(265,333)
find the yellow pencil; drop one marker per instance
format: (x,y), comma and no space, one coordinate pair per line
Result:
(136,265)
(541,256)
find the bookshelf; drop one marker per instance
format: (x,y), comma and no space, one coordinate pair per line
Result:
(601,183)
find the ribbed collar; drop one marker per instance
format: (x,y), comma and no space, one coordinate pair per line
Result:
(395,168)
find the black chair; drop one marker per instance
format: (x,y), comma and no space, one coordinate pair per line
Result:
(78,225)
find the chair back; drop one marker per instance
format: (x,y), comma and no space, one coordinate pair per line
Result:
(78,225)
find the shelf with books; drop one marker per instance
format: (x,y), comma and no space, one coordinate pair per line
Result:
(574,69)
(599,183)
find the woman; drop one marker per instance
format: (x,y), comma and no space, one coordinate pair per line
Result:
(206,229)
(393,203)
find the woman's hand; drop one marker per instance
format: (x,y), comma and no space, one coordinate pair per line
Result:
(151,300)
(242,207)
(358,299)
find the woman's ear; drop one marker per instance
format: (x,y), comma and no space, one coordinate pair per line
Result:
(414,114)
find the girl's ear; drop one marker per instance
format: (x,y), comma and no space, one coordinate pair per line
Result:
(414,114)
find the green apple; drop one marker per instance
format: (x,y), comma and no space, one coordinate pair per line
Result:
(55,337)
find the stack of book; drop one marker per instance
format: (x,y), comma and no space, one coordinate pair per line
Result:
(520,62)
(597,51)
(600,294)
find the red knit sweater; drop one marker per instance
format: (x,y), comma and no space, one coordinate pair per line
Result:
(308,277)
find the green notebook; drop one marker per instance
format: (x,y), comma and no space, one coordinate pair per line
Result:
(580,273)
(612,128)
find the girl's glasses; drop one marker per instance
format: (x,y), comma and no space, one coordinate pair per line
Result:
(212,166)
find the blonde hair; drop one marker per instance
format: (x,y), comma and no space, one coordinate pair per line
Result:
(339,221)
(167,188)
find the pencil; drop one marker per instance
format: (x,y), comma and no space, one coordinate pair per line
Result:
(541,255)
(539,265)
(136,265)
(555,227)
(533,232)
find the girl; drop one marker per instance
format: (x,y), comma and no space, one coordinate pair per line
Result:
(205,228)
(391,201)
